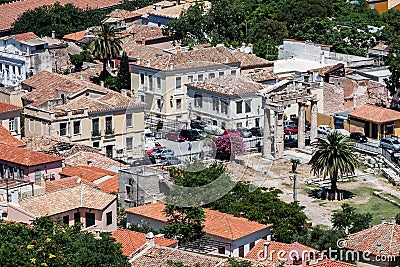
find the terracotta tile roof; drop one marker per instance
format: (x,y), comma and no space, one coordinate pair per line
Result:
(250,61)
(75,36)
(145,10)
(143,52)
(110,185)
(88,173)
(230,85)
(146,31)
(10,12)
(24,36)
(175,11)
(4,107)
(387,235)
(96,159)
(25,157)
(331,263)
(65,200)
(132,241)
(161,256)
(191,59)
(123,14)
(66,183)
(375,114)
(216,223)
(280,251)
(89,74)
(262,76)
(327,69)
(7,139)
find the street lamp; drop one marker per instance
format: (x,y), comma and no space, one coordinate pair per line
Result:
(294,162)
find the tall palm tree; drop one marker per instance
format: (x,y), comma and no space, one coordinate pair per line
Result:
(334,157)
(106,46)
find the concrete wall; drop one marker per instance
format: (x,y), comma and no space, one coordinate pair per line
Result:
(14,115)
(139,219)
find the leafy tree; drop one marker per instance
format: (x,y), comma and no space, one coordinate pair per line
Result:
(111,82)
(393,61)
(349,218)
(62,19)
(229,145)
(124,76)
(397,218)
(136,4)
(77,60)
(50,243)
(180,264)
(106,47)
(143,228)
(334,156)
(232,262)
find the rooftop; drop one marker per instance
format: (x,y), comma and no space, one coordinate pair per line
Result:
(72,181)
(249,60)
(110,185)
(75,36)
(295,64)
(230,85)
(66,199)
(10,12)
(89,173)
(131,241)
(375,114)
(25,36)
(332,263)
(4,107)
(145,10)
(123,14)
(96,159)
(262,76)
(381,239)
(7,139)
(148,32)
(175,11)
(216,223)
(25,157)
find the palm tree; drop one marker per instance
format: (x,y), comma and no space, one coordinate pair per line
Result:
(105,47)
(334,156)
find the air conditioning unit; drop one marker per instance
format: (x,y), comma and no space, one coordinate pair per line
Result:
(46,176)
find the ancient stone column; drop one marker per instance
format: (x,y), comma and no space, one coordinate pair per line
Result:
(279,135)
(301,126)
(267,133)
(314,121)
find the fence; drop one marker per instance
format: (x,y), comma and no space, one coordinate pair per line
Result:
(168,125)
(369,148)
(253,144)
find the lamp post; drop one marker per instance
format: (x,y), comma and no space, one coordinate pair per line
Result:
(294,162)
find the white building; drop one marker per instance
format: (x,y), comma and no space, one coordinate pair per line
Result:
(21,56)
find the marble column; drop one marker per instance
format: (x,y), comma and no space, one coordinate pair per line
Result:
(301,125)
(279,135)
(267,133)
(314,121)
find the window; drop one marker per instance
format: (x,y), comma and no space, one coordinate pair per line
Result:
(77,127)
(109,218)
(141,79)
(151,82)
(211,75)
(198,100)
(239,107)
(158,82)
(63,129)
(200,77)
(96,144)
(37,176)
(129,143)
(252,245)
(178,82)
(90,219)
(233,72)
(10,172)
(77,217)
(241,251)
(215,102)
(109,126)
(221,73)
(221,250)
(66,219)
(190,78)
(224,107)
(96,127)
(247,105)
(11,124)
(20,173)
(159,104)
(239,125)
(223,125)
(178,104)
(2,171)
(129,122)
(142,98)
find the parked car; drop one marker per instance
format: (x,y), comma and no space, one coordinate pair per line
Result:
(197,124)
(291,129)
(202,133)
(324,129)
(359,137)
(231,130)
(190,134)
(170,160)
(289,122)
(390,143)
(214,130)
(174,136)
(151,147)
(293,142)
(162,152)
(244,132)
(257,131)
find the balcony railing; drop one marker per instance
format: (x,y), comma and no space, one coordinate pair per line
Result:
(109,131)
(96,133)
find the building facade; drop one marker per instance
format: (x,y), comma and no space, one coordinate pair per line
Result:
(10,118)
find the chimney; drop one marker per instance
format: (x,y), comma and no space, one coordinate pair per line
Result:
(97,234)
(383,220)
(150,239)
(53,34)
(138,61)
(178,2)
(43,184)
(226,59)
(123,92)
(393,220)
(143,40)
(178,49)
(102,84)
(171,66)
(130,53)
(14,197)
(157,7)
(266,250)
(346,230)
(148,63)
(251,48)
(243,47)
(81,77)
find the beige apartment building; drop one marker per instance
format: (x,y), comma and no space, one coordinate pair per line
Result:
(66,107)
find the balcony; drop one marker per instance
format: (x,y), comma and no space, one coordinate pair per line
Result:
(96,133)
(109,131)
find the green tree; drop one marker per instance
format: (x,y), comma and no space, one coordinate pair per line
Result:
(49,243)
(393,61)
(334,156)
(124,76)
(132,5)
(105,47)
(349,218)
(77,60)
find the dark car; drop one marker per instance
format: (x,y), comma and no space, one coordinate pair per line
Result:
(359,137)
(257,131)
(291,129)
(190,134)
(244,132)
(395,156)
(170,160)
(174,136)
(197,124)
(292,142)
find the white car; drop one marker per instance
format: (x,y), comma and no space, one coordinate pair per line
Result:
(324,129)
(214,130)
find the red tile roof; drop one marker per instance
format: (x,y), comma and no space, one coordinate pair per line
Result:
(250,61)
(7,107)
(110,185)
(132,241)
(7,139)
(387,235)
(10,12)
(85,172)
(279,251)
(66,183)
(375,114)
(96,159)
(75,36)
(25,157)
(24,36)
(216,223)
(331,263)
